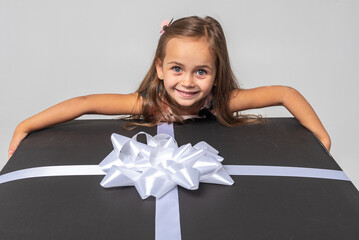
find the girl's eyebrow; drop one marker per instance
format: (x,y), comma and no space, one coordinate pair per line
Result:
(180,64)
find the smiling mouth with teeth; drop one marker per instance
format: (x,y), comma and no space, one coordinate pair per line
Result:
(186,94)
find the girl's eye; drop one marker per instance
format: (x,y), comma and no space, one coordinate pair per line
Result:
(176,69)
(201,72)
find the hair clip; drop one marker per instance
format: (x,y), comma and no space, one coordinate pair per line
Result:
(165,24)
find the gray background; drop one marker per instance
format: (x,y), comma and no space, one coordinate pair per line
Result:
(54,50)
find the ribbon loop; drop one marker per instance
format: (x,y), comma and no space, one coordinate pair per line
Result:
(158,166)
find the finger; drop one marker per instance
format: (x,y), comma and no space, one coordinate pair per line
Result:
(10,153)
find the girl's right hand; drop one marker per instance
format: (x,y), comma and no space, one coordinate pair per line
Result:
(18,136)
(107,104)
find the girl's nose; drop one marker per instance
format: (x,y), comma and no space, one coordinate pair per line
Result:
(188,81)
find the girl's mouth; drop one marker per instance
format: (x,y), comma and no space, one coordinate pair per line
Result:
(185,93)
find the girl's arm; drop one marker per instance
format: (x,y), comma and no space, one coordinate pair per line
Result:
(243,99)
(107,104)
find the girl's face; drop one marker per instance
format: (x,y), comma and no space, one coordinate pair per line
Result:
(188,71)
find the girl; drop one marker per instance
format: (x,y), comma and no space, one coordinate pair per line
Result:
(190,72)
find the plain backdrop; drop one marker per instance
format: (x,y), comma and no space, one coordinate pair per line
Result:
(51,51)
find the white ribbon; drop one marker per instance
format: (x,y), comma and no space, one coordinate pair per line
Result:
(158,166)
(254,170)
(167,221)
(52,171)
(235,170)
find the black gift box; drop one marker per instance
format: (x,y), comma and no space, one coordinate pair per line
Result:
(255,207)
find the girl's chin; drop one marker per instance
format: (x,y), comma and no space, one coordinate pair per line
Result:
(189,107)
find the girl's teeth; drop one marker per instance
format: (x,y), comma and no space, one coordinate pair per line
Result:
(186,93)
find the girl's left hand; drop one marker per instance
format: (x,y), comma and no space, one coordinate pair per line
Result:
(290,98)
(326,142)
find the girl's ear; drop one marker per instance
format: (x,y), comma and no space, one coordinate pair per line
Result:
(159,69)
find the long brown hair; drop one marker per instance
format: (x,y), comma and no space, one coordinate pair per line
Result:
(155,100)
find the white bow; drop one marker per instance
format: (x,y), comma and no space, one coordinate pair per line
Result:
(158,166)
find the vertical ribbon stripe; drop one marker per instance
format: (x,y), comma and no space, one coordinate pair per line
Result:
(167,207)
